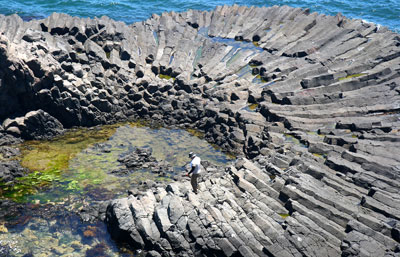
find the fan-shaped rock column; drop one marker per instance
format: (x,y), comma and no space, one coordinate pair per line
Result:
(311,100)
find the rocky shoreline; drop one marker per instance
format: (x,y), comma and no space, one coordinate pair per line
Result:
(310,101)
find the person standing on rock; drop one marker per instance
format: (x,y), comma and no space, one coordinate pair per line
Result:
(195,168)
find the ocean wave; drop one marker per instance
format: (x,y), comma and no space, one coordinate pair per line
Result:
(386,13)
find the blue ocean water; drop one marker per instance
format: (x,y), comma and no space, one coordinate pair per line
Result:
(385,13)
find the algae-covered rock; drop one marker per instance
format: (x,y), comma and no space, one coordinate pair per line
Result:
(142,159)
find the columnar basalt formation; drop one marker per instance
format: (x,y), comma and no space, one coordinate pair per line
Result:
(311,101)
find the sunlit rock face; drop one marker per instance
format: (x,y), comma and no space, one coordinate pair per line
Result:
(311,100)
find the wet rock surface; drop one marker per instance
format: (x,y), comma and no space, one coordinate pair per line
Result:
(321,137)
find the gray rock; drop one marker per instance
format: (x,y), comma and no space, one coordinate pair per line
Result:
(10,170)
(8,139)
(148,230)
(153,254)
(33,36)
(175,209)
(177,241)
(94,50)
(327,152)
(238,136)
(35,125)
(102,104)
(227,248)
(121,224)
(161,219)
(194,228)
(357,244)
(387,242)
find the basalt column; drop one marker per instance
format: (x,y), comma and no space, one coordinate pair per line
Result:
(310,102)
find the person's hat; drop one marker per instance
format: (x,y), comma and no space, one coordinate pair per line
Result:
(191,155)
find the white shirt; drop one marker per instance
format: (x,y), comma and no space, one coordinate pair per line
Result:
(196,163)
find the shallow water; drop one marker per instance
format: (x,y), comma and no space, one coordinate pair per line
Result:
(61,235)
(75,169)
(81,161)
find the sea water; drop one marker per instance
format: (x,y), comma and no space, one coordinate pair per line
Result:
(385,13)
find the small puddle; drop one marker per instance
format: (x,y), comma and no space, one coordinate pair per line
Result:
(171,59)
(268,84)
(155,35)
(244,45)
(77,168)
(240,49)
(244,72)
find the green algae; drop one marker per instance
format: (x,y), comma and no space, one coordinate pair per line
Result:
(253,107)
(284,215)
(55,154)
(250,107)
(47,159)
(322,156)
(167,77)
(352,76)
(195,133)
(108,55)
(259,79)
